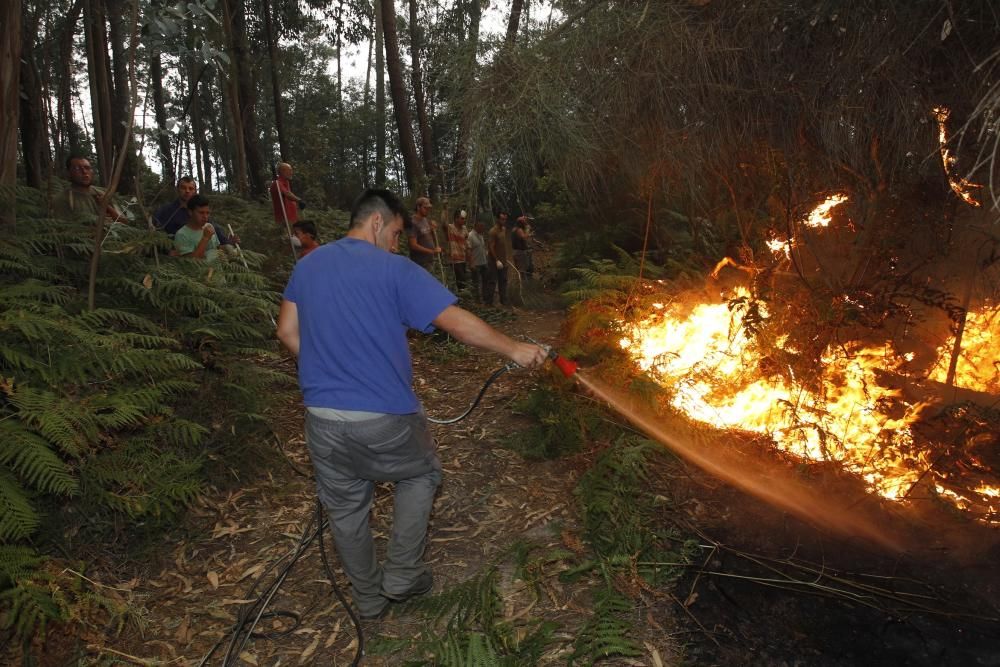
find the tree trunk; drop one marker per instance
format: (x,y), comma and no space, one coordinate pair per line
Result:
(34,131)
(100,83)
(513,22)
(397,88)
(121,97)
(248,102)
(426,140)
(203,102)
(459,167)
(366,104)
(160,112)
(379,98)
(272,50)
(232,93)
(70,135)
(10,70)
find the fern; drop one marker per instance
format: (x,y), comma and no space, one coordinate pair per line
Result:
(18,518)
(606,633)
(96,404)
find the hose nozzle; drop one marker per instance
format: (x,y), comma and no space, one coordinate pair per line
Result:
(567,366)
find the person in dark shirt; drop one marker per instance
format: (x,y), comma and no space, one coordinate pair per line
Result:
(171,217)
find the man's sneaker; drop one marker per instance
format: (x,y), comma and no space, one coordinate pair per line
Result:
(375,614)
(423,583)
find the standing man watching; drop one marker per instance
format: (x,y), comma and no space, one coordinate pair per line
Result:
(83,196)
(423,248)
(477,256)
(497,251)
(457,249)
(345,315)
(286,203)
(171,217)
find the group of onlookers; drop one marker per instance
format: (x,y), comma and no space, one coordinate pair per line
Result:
(486,256)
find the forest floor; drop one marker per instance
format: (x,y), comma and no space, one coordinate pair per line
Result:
(767,589)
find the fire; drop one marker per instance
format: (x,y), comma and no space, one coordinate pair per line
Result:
(717,377)
(821,215)
(979,362)
(959,185)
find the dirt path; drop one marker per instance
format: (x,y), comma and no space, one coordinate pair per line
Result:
(490,499)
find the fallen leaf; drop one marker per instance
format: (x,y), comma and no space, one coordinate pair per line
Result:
(247,656)
(256,569)
(183,634)
(309,650)
(147,282)
(213,579)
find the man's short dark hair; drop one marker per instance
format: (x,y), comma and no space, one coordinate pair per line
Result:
(76,156)
(185,179)
(306,227)
(378,201)
(197,201)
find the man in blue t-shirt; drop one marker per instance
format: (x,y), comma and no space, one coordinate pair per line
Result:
(345,315)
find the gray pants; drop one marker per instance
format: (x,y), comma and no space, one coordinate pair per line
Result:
(349,457)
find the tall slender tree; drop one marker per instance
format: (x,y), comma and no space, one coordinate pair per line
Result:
(69,139)
(423,123)
(160,114)
(121,120)
(513,22)
(379,97)
(10,71)
(99,69)
(34,129)
(272,50)
(397,88)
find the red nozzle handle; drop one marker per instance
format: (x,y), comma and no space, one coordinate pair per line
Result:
(567,366)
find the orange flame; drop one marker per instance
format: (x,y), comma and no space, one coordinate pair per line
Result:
(821,215)
(959,185)
(714,372)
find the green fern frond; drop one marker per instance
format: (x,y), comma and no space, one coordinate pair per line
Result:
(17,517)
(606,634)
(17,562)
(31,458)
(60,420)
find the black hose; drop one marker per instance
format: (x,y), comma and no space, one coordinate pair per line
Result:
(245,628)
(497,373)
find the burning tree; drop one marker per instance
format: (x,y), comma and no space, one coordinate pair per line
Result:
(812,147)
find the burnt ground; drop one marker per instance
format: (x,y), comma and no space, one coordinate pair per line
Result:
(766,588)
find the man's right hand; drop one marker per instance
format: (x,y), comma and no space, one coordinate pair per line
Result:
(207,230)
(499,265)
(528,355)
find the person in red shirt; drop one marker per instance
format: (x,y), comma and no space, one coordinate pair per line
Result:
(286,203)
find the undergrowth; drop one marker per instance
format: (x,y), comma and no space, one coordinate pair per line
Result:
(113,419)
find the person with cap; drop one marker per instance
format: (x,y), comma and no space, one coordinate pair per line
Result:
(458,251)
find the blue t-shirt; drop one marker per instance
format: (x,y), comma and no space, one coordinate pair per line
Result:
(355,303)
